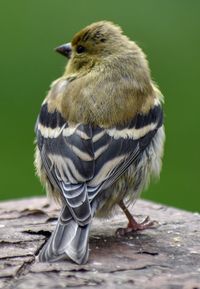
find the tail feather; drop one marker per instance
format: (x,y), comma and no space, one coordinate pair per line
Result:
(78,248)
(68,241)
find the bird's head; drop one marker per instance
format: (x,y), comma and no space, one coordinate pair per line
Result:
(92,45)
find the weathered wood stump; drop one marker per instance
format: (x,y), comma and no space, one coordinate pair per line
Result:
(166,257)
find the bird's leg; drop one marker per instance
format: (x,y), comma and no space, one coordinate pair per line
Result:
(133,225)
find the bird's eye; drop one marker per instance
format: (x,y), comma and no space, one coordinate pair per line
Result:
(80,49)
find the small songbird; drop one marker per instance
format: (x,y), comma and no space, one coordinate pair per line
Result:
(99,136)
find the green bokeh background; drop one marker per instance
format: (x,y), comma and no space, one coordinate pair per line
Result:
(168,32)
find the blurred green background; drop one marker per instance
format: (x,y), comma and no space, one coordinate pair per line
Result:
(168,32)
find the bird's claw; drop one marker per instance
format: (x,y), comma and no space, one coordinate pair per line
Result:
(133,226)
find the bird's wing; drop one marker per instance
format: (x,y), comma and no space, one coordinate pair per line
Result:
(83,160)
(67,156)
(115,149)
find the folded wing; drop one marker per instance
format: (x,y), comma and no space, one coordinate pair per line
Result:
(81,160)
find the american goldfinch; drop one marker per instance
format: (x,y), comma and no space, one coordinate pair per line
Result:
(99,136)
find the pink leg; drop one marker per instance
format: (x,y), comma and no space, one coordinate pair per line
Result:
(133,225)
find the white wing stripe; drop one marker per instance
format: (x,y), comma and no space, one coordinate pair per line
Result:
(132,133)
(100,151)
(48,132)
(105,171)
(66,166)
(98,136)
(82,134)
(82,155)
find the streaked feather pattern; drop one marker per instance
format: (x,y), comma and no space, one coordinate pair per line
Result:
(83,162)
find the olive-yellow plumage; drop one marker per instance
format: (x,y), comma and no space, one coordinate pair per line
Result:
(99,135)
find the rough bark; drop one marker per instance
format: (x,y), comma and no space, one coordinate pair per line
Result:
(166,257)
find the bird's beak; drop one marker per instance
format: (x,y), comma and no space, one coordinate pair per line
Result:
(65,49)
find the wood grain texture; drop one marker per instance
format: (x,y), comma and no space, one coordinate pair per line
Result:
(166,257)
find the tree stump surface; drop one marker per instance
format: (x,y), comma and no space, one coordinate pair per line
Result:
(166,257)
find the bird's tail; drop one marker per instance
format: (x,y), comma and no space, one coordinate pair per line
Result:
(68,241)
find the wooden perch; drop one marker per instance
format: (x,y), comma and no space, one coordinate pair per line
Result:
(166,257)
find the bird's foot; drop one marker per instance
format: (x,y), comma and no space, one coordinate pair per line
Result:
(134,226)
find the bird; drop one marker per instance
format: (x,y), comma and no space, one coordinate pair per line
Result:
(99,137)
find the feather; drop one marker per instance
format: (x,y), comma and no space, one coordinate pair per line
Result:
(81,162)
